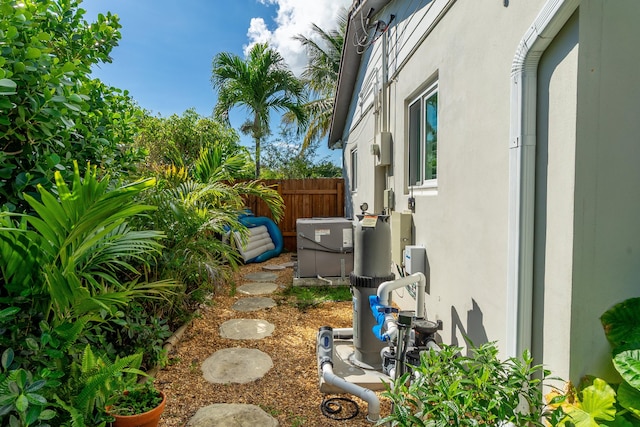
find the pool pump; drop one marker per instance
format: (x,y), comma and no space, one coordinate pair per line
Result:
(385,341)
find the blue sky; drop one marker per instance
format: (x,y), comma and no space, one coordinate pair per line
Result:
(164,56)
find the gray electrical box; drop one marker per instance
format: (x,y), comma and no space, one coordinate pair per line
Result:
(325,247)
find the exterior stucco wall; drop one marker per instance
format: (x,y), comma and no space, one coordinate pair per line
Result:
(463,222)
(606,267)
(587,237)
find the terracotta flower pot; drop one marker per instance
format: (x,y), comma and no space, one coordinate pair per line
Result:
(148,419)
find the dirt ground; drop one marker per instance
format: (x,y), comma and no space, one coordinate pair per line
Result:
(289,391)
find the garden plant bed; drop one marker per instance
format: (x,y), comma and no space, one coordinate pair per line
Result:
(289,391)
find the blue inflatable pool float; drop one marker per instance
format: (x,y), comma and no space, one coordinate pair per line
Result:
(266,248)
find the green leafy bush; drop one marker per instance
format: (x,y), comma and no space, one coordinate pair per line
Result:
(21,399)
(449,389)
(598,403)
(137,400)
(51,111)
(66,273)
(139,330)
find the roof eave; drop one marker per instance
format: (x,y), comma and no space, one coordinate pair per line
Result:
(349,66)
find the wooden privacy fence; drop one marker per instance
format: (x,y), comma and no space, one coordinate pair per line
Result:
(303,198)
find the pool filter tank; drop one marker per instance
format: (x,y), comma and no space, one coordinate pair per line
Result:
(372,267)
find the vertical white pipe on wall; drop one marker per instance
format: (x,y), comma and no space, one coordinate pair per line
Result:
(522,164)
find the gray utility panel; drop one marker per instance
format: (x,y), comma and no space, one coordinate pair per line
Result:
(325,247)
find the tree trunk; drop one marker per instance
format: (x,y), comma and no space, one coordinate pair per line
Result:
(257,158)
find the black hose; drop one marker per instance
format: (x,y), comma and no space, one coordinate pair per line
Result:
(334,408)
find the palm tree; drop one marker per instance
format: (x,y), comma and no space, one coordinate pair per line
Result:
(260,83)
(321,76)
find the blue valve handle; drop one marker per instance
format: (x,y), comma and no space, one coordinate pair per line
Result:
(379,311)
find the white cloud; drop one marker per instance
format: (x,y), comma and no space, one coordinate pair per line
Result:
(294,17)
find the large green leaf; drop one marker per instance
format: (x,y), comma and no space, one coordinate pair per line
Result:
(627,363)
(621,323)
(629,398)
(598,403)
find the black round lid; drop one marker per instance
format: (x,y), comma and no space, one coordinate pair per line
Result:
(425,326)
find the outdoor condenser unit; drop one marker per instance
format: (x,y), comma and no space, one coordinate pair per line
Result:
(325,247)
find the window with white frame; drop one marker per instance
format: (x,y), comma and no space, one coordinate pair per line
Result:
(354,169)
(423,138)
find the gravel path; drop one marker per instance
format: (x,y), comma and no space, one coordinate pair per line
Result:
(289,391)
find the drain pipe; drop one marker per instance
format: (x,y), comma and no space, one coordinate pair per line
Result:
(325,362)
(522,150)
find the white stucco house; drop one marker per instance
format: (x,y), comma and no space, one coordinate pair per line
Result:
(503,136)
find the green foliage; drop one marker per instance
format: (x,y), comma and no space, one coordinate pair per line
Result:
(304,297)
(214,164)
(137,400)
(21,401)
(180,141)
(621,324)
(139,330)
(286,159)
(597,403)
(82,246)
(93,380)
(449,389)
(51,111)
(66,271)
(195,215)
(260,83)
(324,52)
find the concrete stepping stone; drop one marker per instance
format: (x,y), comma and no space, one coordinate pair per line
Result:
(236,365)
(261,276)
(258,288)
(246,329)
(232,414)
(274,267)
(253,304)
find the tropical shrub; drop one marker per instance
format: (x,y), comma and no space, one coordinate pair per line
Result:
(139,328)
(67,271)
(21,395)
(180,140)
(284,158)
(77,257)
(196,208)
(51,111)
(449,389)
(598,403)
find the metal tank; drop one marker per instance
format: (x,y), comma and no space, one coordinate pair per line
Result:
(372,266)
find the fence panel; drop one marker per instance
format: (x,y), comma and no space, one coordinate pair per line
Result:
(303,198)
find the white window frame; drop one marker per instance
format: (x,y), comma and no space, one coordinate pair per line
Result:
(354,170)
(418,140)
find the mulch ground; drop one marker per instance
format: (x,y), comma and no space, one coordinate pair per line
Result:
(289,391)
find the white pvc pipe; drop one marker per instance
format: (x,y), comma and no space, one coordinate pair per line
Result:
(384,296)
(385,289)
(522,150)
(369,396)
(391,326)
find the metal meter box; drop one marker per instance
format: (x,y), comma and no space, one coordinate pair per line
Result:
(325,247)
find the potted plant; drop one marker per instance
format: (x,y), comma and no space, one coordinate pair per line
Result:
(138,406)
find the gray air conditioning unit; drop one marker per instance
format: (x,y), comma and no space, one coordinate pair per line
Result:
(325,247)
